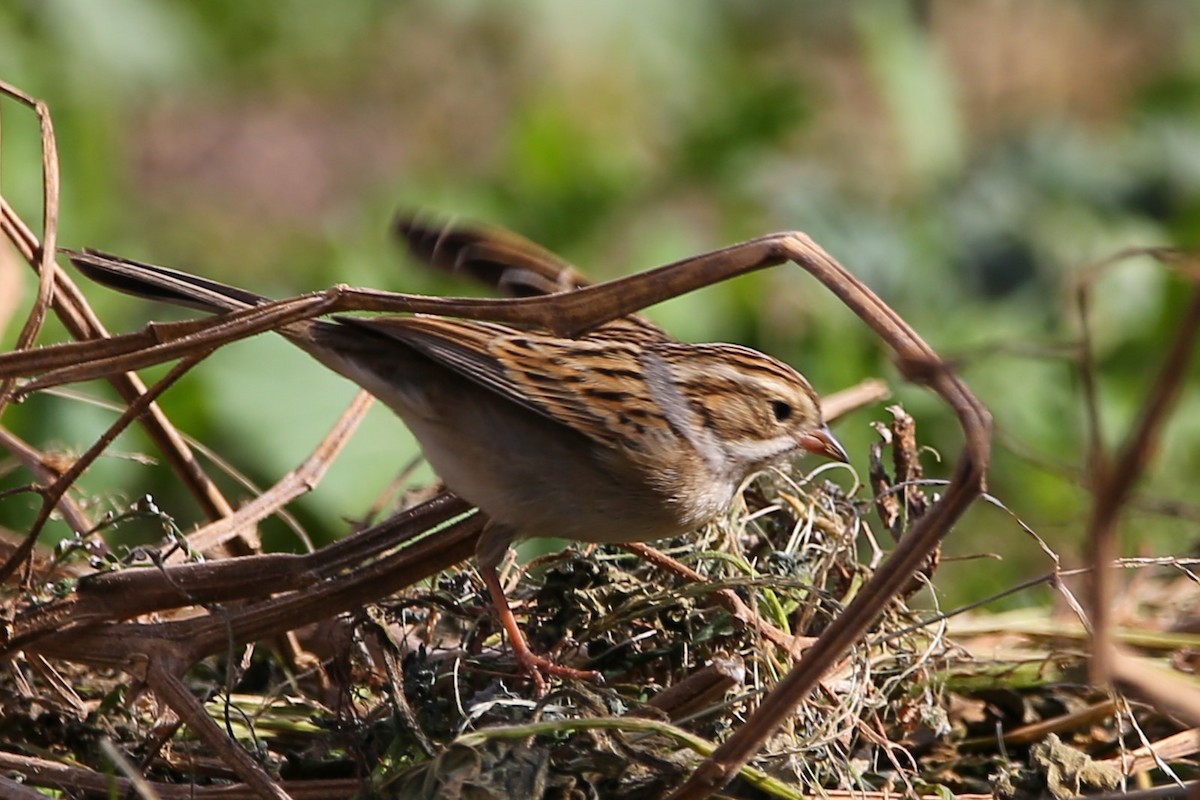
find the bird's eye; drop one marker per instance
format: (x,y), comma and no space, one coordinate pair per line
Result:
(781,410)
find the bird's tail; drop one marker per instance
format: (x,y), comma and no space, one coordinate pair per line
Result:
(354,351)
(160,283)
(510,264)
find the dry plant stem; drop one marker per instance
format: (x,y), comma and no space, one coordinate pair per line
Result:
(112,596)
(50,360)
(566,314)
(73,311)
(128,593)
(907,463)
(299,481)
(56,289)
(59,685)
(1099,461)
(161,651)
(36,462)
(17,791)
(220,583)
(45,255)
(390,653)
(122,765)
(89,360)
(1114,488)
(697,692)
(108,644)
(920,363)
(1097,453)
(177,644)
(576,312)
(54,493)
(66,778)
(727,597)
(1165,690)
(1073,721)
(165,728)
(1189,789)
(1170,748)
(168,688)
(852,398)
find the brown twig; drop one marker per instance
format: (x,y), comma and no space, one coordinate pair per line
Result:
(55,492)
(40,465)
(44,256)
(128,593)
(72,310)
(863,394)
(727,597)
(302,479)
(1114,488)
(162,678)
(67,778)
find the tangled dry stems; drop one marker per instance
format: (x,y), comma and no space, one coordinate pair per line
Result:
(423,673)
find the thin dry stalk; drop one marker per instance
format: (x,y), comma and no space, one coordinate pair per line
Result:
(44,255)
(1112,486)
(73,311)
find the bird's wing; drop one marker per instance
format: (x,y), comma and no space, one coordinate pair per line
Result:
(592,385)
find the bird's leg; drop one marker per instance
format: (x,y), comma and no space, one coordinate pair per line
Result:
(493,543)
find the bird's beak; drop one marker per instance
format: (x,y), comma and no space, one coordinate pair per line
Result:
(824,443)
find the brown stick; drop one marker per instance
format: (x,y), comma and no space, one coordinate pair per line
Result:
(72,310)
(1113,488)
(54,493)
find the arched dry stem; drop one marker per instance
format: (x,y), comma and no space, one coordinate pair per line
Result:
(573,313)
(565,312)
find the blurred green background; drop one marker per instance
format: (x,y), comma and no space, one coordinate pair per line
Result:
(963,157)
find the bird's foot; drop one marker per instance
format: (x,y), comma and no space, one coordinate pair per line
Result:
(539,667)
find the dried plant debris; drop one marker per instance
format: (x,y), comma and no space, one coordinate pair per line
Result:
(900,499)
(1058,770)
(417,696)
(414,688)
